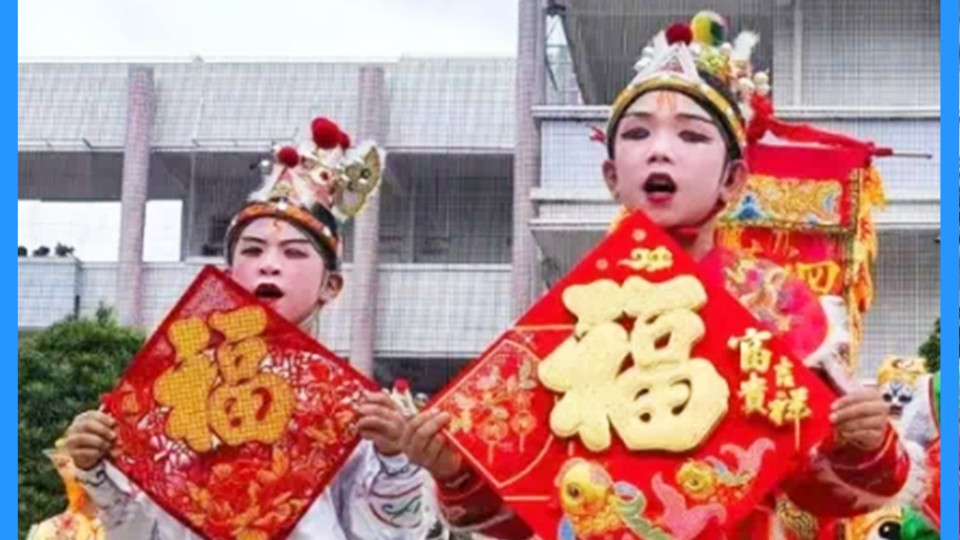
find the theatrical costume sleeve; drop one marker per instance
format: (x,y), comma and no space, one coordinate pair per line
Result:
(469,504)
(124,510)
(846,481)
(372,498)
(382,498)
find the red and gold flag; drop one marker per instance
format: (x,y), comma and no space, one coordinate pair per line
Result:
(807,206)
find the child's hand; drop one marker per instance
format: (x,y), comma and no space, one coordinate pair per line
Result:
(861,419)
(381,422)
(90,438)
(425,445)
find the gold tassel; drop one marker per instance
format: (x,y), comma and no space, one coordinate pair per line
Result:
(872,190)
(864,252)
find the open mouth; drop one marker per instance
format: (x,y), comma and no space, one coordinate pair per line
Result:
(268,292)
(659,184)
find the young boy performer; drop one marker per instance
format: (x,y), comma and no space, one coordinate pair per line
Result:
(284,246)
(675,141)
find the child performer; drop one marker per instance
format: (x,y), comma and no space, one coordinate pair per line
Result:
(284,247)
(675,143)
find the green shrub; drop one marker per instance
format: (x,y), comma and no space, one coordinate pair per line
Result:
(62,371)
(931,349)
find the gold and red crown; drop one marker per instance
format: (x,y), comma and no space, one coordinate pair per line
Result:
(697,59)
(316,185)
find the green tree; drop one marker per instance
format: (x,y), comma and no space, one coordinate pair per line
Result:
(931,349)
(62,371)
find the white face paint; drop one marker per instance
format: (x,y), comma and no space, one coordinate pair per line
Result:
(670,159)
(277,262)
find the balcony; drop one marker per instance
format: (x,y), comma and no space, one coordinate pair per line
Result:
(572,197)
(424,311)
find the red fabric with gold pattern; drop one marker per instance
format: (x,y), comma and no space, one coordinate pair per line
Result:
(231,418)
(672,464)
(807,209)
(782,303)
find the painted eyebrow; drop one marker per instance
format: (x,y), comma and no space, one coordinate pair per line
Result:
(261,241)
(696,117)
(295,241)
(686,116)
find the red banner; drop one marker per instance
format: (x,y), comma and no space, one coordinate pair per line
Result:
(231,418)
(808,209)
(637,399)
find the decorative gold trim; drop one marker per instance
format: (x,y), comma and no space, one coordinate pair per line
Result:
(671,81)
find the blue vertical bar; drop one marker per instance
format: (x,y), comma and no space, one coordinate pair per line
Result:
(949,209)
(8,311)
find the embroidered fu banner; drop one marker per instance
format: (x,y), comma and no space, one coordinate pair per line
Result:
(231,418)
(637,399)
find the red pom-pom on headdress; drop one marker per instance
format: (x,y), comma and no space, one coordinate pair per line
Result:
(402,385)
(345,141)
(679,33)
(326,134)
(288,156)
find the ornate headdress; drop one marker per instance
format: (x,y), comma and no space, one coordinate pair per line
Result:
(314,186)
(695,59)
(898,379)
